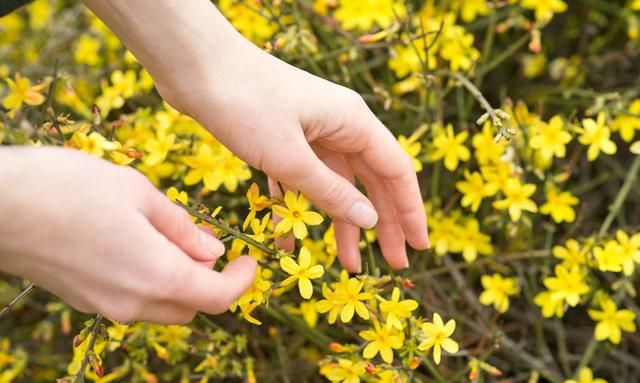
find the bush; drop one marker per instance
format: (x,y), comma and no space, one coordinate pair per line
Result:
(520,117)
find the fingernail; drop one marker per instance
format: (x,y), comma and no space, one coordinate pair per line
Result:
(362,214)
(212,246)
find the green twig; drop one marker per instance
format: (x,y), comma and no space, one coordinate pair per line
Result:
(228,229)
(15,300)
(89,350)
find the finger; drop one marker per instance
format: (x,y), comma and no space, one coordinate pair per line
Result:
(286,242)
(389,231)
(166,313)
(325,188)
(209,264)
(175,223)
(347,240)
(347,235)
(385,157)
(213,292)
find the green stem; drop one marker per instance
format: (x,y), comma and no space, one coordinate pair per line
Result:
(15,300)
(92,342)
(620,198)
(228,229)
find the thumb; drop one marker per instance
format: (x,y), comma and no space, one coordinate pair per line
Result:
(213,292)
(328,190)
(176,225)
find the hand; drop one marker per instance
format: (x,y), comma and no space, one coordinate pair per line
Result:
(313,136)
(105,240)
(308,133)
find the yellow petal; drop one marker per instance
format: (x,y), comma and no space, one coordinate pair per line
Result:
(312,218)
(305,287)
(289,265)
(300,229)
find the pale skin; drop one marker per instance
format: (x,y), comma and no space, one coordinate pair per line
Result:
(105,240)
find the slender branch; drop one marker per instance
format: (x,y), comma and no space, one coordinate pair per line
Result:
(227,229)
(15,300)
(92,342)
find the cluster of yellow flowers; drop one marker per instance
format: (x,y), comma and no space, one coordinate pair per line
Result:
(503,191)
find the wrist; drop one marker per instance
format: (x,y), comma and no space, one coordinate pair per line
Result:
(180,44)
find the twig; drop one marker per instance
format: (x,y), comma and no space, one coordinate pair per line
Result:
(475,92)
(15,300)
(227,229)
(92,342)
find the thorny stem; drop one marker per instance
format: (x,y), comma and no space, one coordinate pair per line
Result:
(15,300)
(92,342)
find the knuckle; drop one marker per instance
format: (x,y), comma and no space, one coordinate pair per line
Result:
(354,99)
(334,193)
(126,312)
(185,318)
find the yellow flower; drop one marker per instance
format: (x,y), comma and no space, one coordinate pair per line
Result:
(345,371)
(249,20)
(596,134)
(177,196)
(438,337)
(549,305)
(627,123)
(257,203)
(585,376)
(487,150)
(442,233)
(450,146)
(230,170)
(571,254)
(559,206)
(22,92)
(216,168)
(94,143)
(295,215)
(474,190)
(470,241)
(567,285)
(344,300)
(630,251)
(517,198)
(382,340)
(87,50)
(302,272)
(309,312)
(159,146)
(497,291)
(412,149)
(544,9)
(470,9)
(259,288)
(394,310)
(203,168)
(609,257)
(363,14)
(550,138)
(611,321)
(457,48)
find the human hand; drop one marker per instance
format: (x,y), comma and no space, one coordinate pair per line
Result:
(308,133)
(105,240)
(313,136)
